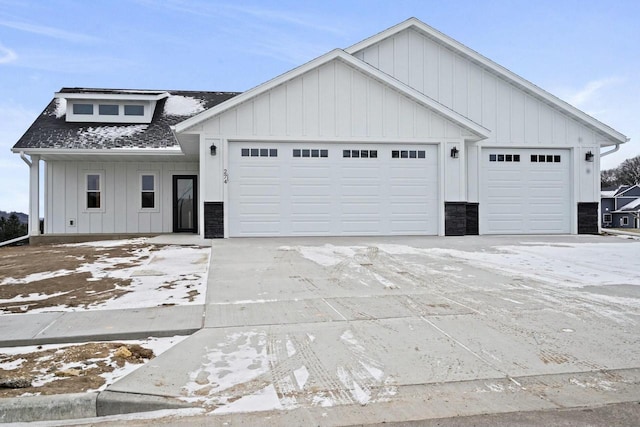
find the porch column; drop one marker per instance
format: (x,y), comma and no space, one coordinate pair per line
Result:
(34,196)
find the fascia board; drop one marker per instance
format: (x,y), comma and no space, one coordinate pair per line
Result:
(495,68)
(112,96)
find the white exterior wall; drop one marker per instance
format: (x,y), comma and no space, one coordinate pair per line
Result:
(332,103)
(515,117)
(121,211)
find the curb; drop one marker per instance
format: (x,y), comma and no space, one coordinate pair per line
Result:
(82,405)
(116,336)
(44,408)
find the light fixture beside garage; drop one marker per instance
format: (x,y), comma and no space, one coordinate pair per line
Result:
(589,156)
(454,152)
(213,149)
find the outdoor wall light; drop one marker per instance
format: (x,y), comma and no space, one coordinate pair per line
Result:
(454,152)
(589,156)
(213,149)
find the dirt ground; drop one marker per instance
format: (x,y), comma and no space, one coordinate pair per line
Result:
(65,368)
(74,290)
(72,369)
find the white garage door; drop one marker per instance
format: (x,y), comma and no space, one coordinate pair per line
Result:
(289,189)
(525,191)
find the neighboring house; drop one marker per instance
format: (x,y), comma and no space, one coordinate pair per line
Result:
(620,207)
(406,133)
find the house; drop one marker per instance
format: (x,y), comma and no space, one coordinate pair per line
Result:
(408,132)
(620,206)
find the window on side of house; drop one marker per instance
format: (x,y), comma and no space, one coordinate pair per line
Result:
(134,110)
(84,109)
(148,191)
(94,191)
(108,109)
(606,218)
(624,220)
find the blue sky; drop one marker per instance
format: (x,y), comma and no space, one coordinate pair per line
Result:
(584,51)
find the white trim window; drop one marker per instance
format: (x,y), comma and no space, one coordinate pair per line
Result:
(94,191)
(148,189)
(624,221)
(607,219)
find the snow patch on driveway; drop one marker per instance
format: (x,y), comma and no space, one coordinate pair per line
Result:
(567,264)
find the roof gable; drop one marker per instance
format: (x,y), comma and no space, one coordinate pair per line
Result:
(632,206)
(629,191)
(512,78)
(476,131)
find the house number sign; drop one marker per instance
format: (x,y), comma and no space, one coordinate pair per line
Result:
(225,175)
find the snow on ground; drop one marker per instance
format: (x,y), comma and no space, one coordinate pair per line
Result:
(158,345)
(166,275)
(577,265)
(254,370)
(569,264)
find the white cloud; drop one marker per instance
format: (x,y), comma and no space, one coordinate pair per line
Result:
(46,31)
(586,94)
(268,32)
(7,55)
(301,20)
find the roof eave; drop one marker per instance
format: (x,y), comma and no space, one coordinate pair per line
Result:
(101,151)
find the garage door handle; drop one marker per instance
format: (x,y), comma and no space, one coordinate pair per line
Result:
(225,176)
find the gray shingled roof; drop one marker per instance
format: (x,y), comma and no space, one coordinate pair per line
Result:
(49,131)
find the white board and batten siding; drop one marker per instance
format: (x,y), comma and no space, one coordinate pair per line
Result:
(310,189)
(332,102)
(516,117)
(121,210)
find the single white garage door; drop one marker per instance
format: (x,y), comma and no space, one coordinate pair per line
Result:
(525,191)
(289,189)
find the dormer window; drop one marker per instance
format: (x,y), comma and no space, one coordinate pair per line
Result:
(83,109)
(108,109)
(134,110)
(111,106)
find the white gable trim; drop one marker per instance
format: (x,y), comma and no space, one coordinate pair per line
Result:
(477,131)
(501,71)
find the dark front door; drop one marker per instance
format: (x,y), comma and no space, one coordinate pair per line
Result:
(185,204)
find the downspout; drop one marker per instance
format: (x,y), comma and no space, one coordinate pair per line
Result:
(24,159)
(614,149)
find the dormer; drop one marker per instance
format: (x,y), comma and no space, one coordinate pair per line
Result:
(109,106)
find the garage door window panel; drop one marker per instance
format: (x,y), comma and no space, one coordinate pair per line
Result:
(310,153)
(259,152)
(408,154)
(546,158)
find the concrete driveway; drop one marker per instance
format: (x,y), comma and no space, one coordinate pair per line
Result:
(341,331)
